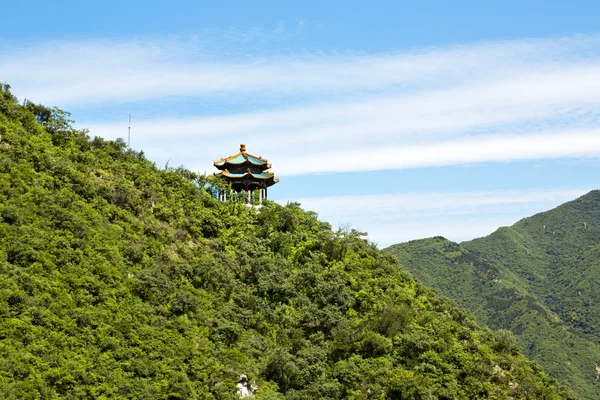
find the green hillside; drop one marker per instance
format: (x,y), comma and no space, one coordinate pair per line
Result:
(538,279)
(123,280)
(557,254)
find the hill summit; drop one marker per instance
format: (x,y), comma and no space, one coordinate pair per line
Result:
(123,280)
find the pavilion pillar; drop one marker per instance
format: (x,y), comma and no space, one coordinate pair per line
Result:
(247,193)
(265,193)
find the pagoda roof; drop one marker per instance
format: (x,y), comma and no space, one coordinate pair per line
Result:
(241,158)
(262,176)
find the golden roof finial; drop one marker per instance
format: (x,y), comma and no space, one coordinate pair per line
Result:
(242,148)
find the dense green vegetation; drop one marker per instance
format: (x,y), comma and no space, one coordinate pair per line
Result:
(539,279)
(123,280)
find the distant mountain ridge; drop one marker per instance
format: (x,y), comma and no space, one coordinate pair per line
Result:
(539,278)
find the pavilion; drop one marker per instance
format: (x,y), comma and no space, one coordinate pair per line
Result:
(246,173)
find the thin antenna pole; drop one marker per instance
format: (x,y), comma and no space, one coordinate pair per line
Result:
(129,133)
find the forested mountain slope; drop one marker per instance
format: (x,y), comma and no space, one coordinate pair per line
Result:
(557,254)
(122,280)
(539,278)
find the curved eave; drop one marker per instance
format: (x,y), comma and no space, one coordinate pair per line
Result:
(269,178)
(241,176)
(244,166)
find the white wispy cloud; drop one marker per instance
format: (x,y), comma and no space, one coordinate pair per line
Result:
(489,101)
(70,73)
(395,218)
(463,150)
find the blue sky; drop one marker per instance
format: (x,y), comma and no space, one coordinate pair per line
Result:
(402,119)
